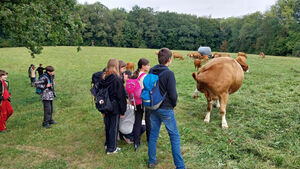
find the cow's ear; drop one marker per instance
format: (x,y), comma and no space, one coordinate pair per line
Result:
(194,76)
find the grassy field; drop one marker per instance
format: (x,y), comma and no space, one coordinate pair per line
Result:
(263,116)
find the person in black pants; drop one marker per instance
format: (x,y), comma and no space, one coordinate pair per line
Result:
(46,83)
(140,74)
(40,70)
(110,79)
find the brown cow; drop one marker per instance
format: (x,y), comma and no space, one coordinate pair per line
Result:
(177,55)
(196,55)
(204,58)
(262,55)
(130,66)
(156,52)
(190,55)
(217,79)
(217,55)
(197,63)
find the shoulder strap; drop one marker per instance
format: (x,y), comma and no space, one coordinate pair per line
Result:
(47,78)
(141,76)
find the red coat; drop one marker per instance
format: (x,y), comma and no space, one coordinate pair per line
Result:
(6,109)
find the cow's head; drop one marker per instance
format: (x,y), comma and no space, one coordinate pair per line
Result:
(243,64)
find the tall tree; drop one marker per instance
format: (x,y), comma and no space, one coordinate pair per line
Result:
(32,23)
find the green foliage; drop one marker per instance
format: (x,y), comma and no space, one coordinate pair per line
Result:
(34,24)
(296,50)
(37,23)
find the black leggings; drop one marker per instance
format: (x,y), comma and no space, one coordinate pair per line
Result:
(138,113)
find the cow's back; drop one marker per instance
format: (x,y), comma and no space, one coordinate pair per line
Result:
(221,74)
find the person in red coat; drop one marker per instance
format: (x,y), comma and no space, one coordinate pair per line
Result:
(6,109)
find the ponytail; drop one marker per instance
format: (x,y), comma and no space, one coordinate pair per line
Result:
(141,62)
(136,74)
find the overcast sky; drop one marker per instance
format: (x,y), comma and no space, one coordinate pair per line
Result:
(213,8)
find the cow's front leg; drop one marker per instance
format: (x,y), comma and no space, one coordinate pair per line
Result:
(209,108)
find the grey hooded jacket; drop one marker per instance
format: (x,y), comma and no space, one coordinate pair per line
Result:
(48,93)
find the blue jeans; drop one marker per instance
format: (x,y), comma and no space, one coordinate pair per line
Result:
(167,117)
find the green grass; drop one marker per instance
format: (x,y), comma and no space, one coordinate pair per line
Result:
(263,116)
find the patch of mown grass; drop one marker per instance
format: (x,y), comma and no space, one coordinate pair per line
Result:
(263,116)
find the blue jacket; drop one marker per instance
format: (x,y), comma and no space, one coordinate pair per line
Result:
(167,84)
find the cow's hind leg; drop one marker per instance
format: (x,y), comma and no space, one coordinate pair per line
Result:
(209,108)
(223,100)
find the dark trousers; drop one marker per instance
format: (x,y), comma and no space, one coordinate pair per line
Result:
(138,113)
(111,122)
(48,110)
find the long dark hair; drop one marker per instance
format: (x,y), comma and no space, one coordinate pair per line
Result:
(142,62)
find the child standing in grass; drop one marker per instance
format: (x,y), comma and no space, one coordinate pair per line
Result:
(40,70)
(33,75)
(116,91)
(165,113)
(6,109)
(140,73)
(46,83)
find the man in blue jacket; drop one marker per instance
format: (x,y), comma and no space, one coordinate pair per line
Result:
(165,113)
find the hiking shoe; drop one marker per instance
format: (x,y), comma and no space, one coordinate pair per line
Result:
(47,126)
(153,164)
(114,152)
(136,146)
(53,122)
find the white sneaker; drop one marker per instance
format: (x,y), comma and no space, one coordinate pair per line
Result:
(114,152)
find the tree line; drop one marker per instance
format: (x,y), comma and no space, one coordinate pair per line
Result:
(275,32)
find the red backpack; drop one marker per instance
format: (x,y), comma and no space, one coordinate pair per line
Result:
(134,90)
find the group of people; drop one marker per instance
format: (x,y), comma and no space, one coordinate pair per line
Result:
(125,121)
(32,73)
(114,78)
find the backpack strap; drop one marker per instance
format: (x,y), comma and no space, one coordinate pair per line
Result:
(141,76)
(47,78)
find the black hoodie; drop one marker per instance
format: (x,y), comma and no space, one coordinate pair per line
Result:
(116,91)
(167,83)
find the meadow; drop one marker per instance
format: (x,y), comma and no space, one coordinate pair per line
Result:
(263,116)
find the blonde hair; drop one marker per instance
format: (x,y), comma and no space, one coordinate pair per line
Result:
(112,68)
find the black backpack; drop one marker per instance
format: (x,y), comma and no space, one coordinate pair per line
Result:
(102,100)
